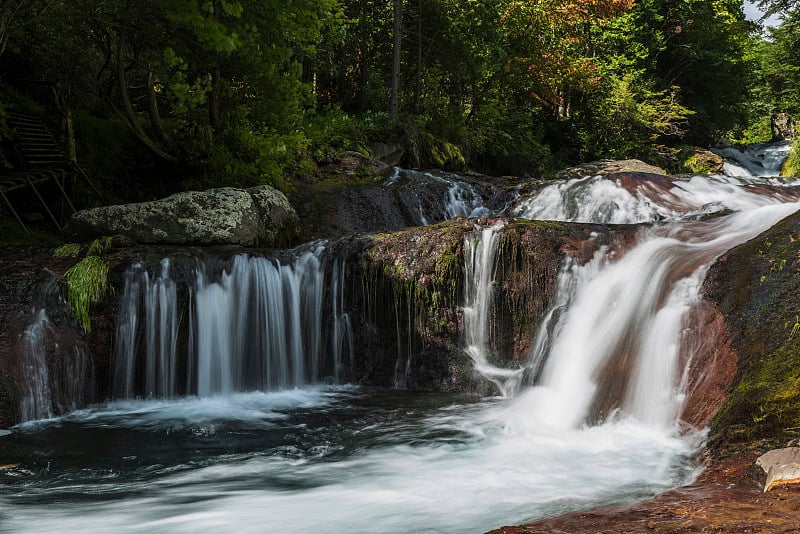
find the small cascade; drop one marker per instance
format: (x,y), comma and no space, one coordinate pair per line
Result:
(464,201)
(760,160)
(631,200)
(55,370)
(254,324)
(153,301)
(480,254)
(36,402)
(438,197)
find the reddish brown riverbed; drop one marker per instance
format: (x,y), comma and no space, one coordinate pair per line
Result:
(727,497)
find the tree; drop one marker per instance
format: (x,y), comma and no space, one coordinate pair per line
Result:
(397,40)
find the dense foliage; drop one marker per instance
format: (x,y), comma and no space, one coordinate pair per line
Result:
(240,92)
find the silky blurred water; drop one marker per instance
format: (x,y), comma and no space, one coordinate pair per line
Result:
(321,459)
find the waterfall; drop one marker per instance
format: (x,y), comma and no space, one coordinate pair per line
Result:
(764,159)
(36,401)
(614,338)
(438,197)
(156,300)
(480,256)
(258,324)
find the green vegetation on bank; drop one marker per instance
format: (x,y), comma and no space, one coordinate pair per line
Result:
(169,95)
(87,280)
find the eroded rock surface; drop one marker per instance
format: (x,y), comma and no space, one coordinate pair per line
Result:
(607,166)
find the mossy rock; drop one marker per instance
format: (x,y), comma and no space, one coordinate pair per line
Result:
(791,167)
(757,286)
(441,154)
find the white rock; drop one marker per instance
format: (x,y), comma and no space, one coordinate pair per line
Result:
(781,465)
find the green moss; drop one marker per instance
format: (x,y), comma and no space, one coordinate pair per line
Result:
(759,298)
(70,250)
(87,281)
(441,153)
(791,167)
(100,246)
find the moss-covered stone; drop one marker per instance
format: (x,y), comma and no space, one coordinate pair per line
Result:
(757,286)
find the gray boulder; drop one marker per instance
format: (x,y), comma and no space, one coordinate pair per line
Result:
(226,216)
(279,221)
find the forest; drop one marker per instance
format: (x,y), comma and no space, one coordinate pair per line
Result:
(168,95)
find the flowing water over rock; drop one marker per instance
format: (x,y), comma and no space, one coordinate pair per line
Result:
(255,443)
(764,159)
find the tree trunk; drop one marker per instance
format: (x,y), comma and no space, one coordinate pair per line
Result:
(128,114)
(155,116)
(213,100)
(398,29)
(418,88)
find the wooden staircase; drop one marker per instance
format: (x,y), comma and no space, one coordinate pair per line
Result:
(41,162)
(36,145)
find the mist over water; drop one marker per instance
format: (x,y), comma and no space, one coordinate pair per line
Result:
(311,457)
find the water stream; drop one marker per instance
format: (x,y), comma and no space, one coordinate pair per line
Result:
(255,443)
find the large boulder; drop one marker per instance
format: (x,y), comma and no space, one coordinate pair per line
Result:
(227,216)
(279,221)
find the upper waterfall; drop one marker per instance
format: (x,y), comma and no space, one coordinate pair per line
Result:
(760,160)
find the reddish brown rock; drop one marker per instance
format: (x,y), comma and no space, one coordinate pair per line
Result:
(726,498)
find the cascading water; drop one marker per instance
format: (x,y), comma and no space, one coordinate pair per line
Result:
(480,254)
(36,402)
(597,427)
(639,301)
(155,302)
(457,198)
(257,325)
(764,159)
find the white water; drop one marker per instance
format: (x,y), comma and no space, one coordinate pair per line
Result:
(634,307)
(495,473)
(628,310)
(461,199)
(600,199)
(765,159)
(156,302)
(480,256)
(256,325)
(36,402)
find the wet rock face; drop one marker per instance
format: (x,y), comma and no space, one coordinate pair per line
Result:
(227,216)
(24,273)
(756,287)
(340,205)
(413,292)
